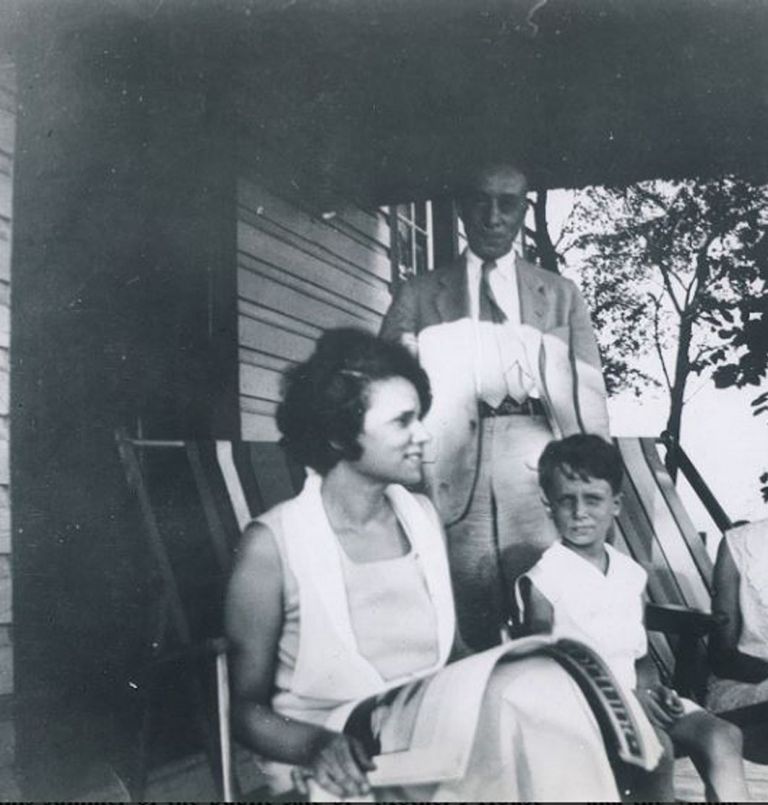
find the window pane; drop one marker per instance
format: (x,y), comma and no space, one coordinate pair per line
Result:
(422,263)
(410,240)
(420,216)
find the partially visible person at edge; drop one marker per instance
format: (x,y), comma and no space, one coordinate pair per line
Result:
(513,362)
(738,645)
(584,589)
(344,592)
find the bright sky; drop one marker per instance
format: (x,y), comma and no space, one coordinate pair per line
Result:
(727,444)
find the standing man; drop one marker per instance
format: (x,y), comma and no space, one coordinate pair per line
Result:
(513,363)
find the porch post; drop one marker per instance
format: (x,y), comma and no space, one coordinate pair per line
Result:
(123,314)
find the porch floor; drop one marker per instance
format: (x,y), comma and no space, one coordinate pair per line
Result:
(190,779)
(689,788)
(190,782)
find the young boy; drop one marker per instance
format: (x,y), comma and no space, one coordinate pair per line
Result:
(587,590)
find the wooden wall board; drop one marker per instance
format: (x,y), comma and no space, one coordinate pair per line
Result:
(300,272)
(7,145)
(252,270)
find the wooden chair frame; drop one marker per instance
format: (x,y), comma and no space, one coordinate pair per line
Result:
(249,481)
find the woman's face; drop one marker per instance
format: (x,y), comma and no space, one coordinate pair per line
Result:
(393,434)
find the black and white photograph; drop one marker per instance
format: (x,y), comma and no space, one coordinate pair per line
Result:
(383,400)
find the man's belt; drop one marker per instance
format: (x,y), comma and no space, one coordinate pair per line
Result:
(508,407)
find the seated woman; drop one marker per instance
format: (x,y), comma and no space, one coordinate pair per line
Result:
(344,592)
(738,646)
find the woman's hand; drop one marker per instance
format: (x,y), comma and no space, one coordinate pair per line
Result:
(661,704)
(339,765)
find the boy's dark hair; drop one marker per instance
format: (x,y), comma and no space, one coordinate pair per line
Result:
(584,456)
(326,397)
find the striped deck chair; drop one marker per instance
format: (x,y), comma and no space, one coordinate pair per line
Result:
(194,498)
(655,530)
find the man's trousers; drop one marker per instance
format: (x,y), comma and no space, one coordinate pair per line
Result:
(505,529)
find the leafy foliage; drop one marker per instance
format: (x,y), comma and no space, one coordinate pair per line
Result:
(676,277)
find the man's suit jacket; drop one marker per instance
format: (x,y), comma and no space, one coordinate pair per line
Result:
(431,314)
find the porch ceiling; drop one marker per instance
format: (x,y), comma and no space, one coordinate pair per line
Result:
(394,97)
(388,99)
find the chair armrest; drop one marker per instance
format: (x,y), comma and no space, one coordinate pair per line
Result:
(679,620)
(687,627)
(746,716)
(209,648)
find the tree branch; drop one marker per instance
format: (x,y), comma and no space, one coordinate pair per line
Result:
(548,256)
(704,383)
(560,247)
(657,339)
(665,275)
(700,353)
(700,275)
(652,197)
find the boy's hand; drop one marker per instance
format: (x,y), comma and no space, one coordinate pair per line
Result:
(670,701)
(661,704)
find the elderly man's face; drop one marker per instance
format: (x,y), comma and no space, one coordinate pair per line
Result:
(493,210)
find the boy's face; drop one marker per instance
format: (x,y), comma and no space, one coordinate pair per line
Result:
(582,510)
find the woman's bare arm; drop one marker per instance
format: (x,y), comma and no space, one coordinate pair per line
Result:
(254,622)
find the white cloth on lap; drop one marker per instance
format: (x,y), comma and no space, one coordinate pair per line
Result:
(603,610)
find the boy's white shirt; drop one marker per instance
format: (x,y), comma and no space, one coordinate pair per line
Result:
(626,680)
(586,615)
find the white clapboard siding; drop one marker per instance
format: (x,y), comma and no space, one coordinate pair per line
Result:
(5,245)
(370,225)
(5,521)
(6,687)
(366,290)
(7,137)
(355,249)
(255,358)
(275,292)
(300,272)
(5,188)
(258,383)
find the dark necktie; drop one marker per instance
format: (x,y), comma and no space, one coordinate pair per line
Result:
(490,366)
(490,310)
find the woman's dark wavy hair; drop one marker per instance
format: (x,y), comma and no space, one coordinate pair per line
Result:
(584,456)
(326,397)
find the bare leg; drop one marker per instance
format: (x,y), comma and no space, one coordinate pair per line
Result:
(715,747)
(638,785)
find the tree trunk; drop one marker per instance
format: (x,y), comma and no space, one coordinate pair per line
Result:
(548,257)
(677,393)
(683,361)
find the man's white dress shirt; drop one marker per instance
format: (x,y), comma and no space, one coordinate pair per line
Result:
(502,366)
